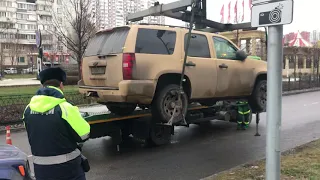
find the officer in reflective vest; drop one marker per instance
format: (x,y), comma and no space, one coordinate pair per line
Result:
(243,115)
(54,128)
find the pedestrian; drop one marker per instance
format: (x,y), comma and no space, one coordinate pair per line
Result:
(243,115)
(54,128)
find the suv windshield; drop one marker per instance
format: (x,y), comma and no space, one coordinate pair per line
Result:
(108,42)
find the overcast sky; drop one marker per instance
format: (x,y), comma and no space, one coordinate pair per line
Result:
(304,19)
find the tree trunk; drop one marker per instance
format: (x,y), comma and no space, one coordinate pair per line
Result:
(79,67)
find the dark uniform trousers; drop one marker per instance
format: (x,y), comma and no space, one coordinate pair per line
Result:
(70,170)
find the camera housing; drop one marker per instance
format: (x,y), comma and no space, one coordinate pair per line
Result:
(270,17)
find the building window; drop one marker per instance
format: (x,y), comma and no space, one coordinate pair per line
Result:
(59,10)
(309,62)
(45,18)
(60,48)
(292,61)
(21,60)
(6,25)
(3,14)
(300,61)
(9,4)
(22,6)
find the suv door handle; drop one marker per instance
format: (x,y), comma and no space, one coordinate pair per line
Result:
(223,66)
(190,63)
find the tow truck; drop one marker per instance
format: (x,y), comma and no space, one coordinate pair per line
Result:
(140,123)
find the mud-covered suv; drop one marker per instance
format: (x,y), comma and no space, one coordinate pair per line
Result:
(141,65)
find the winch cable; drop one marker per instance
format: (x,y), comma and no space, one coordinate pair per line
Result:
(182,79)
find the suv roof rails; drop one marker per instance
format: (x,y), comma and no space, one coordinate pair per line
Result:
(162,25)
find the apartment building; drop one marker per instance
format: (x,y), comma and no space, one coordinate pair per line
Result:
(19,19)
(112,13)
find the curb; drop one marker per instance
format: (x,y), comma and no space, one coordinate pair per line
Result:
(288,93)
(18,129)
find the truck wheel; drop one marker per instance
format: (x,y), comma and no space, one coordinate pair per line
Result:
(165,101)
(258,99)
(121,109)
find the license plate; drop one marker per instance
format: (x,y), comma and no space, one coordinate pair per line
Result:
(98,70)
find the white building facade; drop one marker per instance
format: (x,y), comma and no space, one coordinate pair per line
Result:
(112,13)
(19,19)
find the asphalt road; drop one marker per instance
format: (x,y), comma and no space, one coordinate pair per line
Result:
(198,151)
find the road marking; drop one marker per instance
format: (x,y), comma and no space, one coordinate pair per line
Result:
(315,103)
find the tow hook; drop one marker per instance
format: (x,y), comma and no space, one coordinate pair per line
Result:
(92,94)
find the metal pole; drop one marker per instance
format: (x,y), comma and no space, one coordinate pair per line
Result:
(274,101)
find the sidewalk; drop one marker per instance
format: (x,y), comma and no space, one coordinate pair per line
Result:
(19,82)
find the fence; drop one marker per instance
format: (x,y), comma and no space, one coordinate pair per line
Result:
(12,107)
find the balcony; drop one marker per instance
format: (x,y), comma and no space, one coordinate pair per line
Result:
(43,12)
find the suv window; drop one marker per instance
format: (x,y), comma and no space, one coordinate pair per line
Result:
(108,42)
(153,41)
(224,49)
(198,47)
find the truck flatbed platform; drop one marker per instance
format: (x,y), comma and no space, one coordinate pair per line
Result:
(141,125)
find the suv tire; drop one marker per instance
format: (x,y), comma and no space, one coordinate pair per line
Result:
(164,101)
(258,99)
(121,109)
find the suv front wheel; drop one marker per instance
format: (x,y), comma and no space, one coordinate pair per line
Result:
(165,101)
(258,99)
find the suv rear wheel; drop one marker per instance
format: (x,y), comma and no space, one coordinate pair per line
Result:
(165,101)
(258,99)
(121,109)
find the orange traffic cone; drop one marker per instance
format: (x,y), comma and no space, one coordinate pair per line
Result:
(8,136)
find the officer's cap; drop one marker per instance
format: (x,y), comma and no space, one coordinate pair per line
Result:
(52,73)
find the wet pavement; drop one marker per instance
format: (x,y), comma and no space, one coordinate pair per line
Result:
(198,151)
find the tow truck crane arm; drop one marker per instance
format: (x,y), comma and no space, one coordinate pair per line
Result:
(179,10)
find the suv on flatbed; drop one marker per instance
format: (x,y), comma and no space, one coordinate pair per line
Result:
(142,64)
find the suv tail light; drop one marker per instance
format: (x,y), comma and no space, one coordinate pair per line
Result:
(128,60)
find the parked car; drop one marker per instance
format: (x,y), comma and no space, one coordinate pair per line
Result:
(141,65)
(10,71)
(14,164)
(30,70)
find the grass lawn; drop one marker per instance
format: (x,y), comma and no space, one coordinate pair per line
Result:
(20,76)
(300,163)
(26,90)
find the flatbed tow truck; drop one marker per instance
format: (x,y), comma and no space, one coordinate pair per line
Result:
(140,123)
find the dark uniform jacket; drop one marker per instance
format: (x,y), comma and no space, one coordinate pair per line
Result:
(54,127)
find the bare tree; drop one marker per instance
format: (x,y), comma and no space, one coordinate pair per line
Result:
(31,51)
(73,24)
(3,30)
(15,48)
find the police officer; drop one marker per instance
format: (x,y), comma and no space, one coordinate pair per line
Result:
(243,115)
(54,128)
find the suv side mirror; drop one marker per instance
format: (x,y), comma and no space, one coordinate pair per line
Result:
(241,55)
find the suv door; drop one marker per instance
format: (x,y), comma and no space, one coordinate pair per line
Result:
(201,67)
(234,76)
